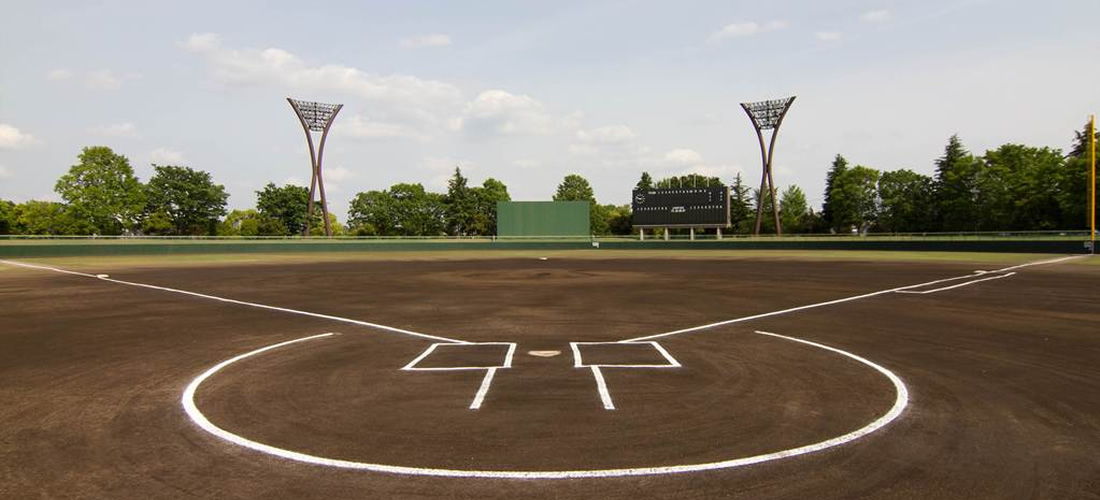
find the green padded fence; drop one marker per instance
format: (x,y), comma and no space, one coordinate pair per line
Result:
(542,218)
(20,249)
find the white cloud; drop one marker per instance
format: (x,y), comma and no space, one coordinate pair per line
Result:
(420,105)
(433,40)
(126,129)
(106,79)
(59,74)
(338,174)
(165,156)
(606,136)
(829,36)
(4,173)
(683,157)
(202,42)
(295,181)
(13,138)
(500,112)
(875,16)
(365,128)
(745,29)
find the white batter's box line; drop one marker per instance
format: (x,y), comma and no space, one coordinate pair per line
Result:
(959,285)
(597,373)
(507,363)
(578,361)
(490,371)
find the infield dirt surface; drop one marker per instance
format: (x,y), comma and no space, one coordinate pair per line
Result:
(1002,376)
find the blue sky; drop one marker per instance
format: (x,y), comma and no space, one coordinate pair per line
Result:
(528,92)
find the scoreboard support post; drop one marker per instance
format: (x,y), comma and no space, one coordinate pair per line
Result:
(692,231)
(666,234)
(719,234)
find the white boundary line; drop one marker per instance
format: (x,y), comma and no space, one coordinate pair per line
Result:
(960,285)
(601,384)
(579,363)
(601,387)
(242,303)
(196,416)
(506,364)
(484,389)
(840,301)
(490,371)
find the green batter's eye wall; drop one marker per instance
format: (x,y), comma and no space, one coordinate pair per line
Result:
(542,218)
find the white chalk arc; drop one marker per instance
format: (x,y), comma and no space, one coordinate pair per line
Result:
(196,416)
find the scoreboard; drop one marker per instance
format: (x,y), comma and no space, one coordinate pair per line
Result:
(681,207)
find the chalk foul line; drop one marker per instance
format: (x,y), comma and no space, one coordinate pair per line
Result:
(240,302)
(901,289)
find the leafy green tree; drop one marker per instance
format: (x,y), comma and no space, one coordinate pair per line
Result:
(741,206)
(402,210)
(372,213)
(1072,183)
(242,223)
(46,218)
(7,217)
(338,229)
(487,196)
(187,199)
(287,205)
(102,191)
(794,211)
(619,220)
(576,188)
(1080,147)
(829,208)
(1018,189)
(688,181)
(855,198)
(906,200)
(646,182)
(462,206)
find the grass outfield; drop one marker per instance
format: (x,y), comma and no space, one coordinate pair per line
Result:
(236,259)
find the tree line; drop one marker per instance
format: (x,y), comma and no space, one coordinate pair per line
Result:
(1011,188)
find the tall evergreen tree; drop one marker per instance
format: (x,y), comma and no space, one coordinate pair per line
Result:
(829,208)
(956,187)
(741,206)
(461,203)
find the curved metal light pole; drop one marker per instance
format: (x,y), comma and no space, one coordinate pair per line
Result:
(767,115)
(316,117)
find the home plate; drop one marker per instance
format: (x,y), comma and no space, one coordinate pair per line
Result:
(544,354)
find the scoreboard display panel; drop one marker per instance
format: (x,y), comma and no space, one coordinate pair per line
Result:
(681,207)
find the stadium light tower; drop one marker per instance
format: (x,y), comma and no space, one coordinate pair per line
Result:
(316,117)
(767,115)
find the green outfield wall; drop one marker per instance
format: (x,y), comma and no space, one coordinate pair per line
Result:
(542,218)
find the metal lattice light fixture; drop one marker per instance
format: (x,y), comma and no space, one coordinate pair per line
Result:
(316,117)
(767,115)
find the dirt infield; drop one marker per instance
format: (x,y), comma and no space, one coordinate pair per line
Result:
(528,375)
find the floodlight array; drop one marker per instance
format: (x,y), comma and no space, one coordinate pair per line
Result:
(315,114)
(766,114)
